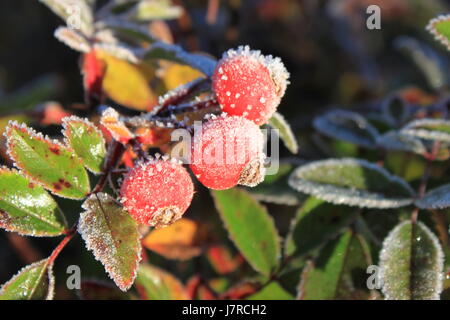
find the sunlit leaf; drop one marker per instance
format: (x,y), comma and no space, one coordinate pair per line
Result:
(153,283)
(156,10)
(411,263)
(112,235)
(72,39)
(127,83)
(33,282)
(250,228)
(440,28)
(278,122)
(431,129)
(86,140)
(348,126)
(315,223)
(47,162)
(164,51)
(27,208)
(352,182)
(178,74)
(438,198)
(180,241)
(339,272)
(77,14)
(118,130)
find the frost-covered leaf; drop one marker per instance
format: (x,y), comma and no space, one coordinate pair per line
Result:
(87,142)
(395,140)
(164,51)
(33,282)
(76,13)
(250,228)
(47,162)
(112,235)
(181,240)
(348,126)
(72,39)
(430,129)
(315,223)
(339,272)
(440,28)
(118,130)
(394,111)
(275,188)
(155,10)
(278,122)
(120,51)
(98,290)
(411,263)
(27,208)
(426,59)
(438,198)
(153,283)
(127,29)
(353,182)
(127,83)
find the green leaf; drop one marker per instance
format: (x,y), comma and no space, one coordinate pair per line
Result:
(347,126)
(275,188)
(47,162)
(339,272)
(353,182)
(165,51)
(153,283)
(34,282)
(87,142)
(438,198)
(440,28)
(278,122)
(128,29)
(411,263)
(112,235)
(27,208)
(250,228)
(271,292)
(76,13)
(156,10)
(315,223)
(394,140)
(430,129)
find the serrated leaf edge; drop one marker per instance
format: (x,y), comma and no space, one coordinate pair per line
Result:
(431,27)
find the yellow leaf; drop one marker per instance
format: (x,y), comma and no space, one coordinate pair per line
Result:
(177,74)
(179,241)
(127,83)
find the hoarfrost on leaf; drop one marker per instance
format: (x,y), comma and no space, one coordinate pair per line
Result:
(438,198)
(430,129)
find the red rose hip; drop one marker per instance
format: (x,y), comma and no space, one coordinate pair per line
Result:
(228,151)
(157,192)
(249,84)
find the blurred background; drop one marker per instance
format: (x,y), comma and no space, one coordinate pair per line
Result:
(334,60)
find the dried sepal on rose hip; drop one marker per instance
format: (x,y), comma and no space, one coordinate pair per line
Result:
(249,84)
(157,192)
(228,151)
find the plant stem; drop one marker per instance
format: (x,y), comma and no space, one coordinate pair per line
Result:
(115,153)
(69,235)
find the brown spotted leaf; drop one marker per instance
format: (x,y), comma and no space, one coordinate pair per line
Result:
(112,235)
(47,162)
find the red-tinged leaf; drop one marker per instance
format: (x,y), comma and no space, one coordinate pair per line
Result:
(47,162)
(153,283)
(87,142)
(117,129)
(33,282)
(222,260)
(112,235)
(197,289)
(98,290)
(27,208)
(93,70)
(241,291)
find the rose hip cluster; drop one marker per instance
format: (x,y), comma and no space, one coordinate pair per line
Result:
(228,151)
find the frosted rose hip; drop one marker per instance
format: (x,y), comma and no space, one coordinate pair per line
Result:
(228,151)
(157,193)
(249,84)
